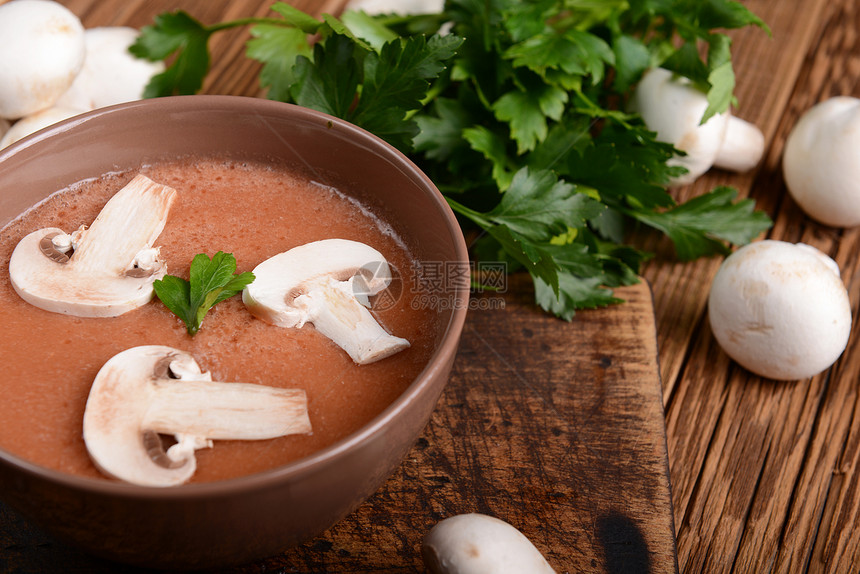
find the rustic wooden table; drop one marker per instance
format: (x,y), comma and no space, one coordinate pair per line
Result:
(764,475)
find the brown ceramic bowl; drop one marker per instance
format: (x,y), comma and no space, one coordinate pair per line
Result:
(239,520)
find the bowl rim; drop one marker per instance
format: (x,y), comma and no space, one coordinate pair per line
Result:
(445,352)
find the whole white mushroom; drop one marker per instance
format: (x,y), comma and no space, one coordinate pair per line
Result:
(780,309)
(35,122)
(821,162)
(111,74)
(41,52)
(673,108)
(480,544)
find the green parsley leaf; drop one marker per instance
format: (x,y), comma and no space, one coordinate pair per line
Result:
(525,20)
(297,19)
(624,168)
(527,110)
(531,255)
(178,33)
(277,47)
(686,62)
(492,146)
(175,293)
(537,205)
(368,28)
(329,82)
(395,81)
(573,51)
(211,281)
(701,225)
(440,135)
(573,293)
(632,58)
(727,14)
(721,77)
(375,90)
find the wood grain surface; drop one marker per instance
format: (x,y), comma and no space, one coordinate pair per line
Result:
(764,474)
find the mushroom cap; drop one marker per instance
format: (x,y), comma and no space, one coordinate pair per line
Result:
(37,121)
(281,279)
(44,283)
(821,162)
(41,52)
(673,108)
(115,419)
(780,309)
(111,74)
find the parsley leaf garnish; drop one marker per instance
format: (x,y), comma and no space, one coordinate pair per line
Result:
(516,110)
(211,281)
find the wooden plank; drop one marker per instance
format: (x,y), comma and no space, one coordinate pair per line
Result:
(694,371)
(767,481)
(821,522)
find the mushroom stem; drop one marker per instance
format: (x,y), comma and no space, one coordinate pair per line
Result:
(140,212)
(742,147)
(226,411)
(336,313)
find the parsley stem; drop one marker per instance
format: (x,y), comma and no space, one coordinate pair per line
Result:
(475,216)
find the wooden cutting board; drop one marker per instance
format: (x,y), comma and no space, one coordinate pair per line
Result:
(555,427)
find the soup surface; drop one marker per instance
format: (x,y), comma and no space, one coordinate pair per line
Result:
(253,211)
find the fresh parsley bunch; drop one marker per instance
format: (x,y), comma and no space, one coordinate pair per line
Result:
(515,109)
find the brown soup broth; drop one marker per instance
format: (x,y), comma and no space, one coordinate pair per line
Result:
(253,211)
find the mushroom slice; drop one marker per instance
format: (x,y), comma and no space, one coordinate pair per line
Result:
(326,283)
(101,271)
(146,391)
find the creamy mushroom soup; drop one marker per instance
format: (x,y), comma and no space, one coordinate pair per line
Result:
(253,211)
